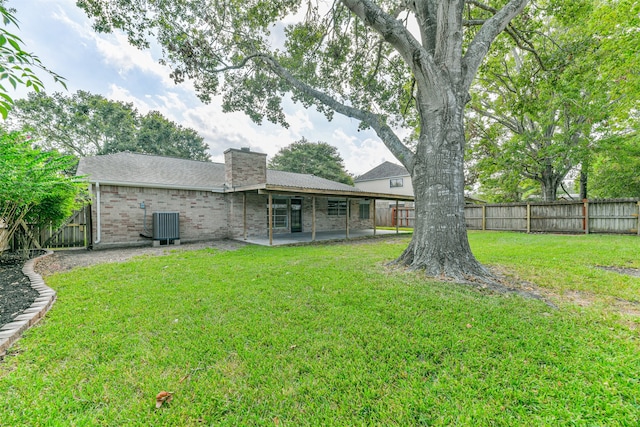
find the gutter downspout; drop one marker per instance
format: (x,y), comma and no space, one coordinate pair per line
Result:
(98,226)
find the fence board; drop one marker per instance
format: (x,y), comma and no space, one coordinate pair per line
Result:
(558,217)
(506,217)
(614,217)
(72,234)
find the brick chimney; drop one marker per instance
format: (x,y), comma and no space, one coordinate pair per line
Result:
(244,168)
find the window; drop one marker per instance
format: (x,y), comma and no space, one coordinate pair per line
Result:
(280,213)
(364,209)
(395,182)
(337,207)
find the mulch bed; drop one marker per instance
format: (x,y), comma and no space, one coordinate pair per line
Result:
(16,293)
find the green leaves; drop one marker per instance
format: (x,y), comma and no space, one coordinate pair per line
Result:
(16,64)
(88,124)
(33,185)
(555,105)
(316,158)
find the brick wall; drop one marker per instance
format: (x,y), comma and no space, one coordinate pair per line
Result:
(244,168)
(203,215)
(326,222)
(257,216)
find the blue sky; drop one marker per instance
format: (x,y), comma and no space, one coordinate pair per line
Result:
(60,34)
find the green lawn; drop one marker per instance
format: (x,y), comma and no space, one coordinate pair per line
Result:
(327,335)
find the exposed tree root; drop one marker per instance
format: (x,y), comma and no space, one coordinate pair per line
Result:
(476,276)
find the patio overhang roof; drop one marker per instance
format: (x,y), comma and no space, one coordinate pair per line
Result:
(271,189)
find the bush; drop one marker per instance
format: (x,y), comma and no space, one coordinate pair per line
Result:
(33,186)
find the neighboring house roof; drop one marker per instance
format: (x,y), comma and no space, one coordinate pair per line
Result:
(145,170)
(383,171)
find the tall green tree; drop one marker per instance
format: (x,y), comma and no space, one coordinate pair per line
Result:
(82,124)
(389,64)
(86,124)
(543,109)
(17,66)
(157,135)
(614,170)
(34,187)
(316,158)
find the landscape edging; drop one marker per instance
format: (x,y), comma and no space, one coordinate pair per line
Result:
(11,332)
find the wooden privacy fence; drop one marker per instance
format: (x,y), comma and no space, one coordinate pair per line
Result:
(388,217)
(617,216)
(73,233)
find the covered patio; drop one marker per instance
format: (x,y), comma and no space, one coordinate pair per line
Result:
(321,236)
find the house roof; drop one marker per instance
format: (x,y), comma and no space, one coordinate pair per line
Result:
(383,171)
(147,170)
(298,180)
(143,170)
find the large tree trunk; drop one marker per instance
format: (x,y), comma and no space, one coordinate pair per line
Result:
(549,182)
(440,245)
(584,178)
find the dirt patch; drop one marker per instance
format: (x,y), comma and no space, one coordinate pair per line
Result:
(66,260)
(621,270)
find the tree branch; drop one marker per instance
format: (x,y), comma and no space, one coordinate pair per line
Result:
(375,121)
(502,120)
(524,44)
(419,60)
(485,36)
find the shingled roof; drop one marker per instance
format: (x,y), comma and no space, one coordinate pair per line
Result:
(311,182)
(383,171)
(168,172)
(147,170)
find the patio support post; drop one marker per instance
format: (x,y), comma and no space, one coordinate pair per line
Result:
(374,217)
(313,219)
(270,215)
(244,215)
(347,217)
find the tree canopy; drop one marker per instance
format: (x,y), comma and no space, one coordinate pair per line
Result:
(614,169)
(34,188)
(397,67)
(17,66)
(547,108)
(315,158)
(87,124)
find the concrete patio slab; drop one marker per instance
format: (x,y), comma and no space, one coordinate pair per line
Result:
(321,236)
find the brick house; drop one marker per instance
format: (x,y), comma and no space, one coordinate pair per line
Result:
(237,199)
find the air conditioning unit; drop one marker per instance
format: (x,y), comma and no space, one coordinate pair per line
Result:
(166,226)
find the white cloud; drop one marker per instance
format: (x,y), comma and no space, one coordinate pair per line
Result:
(299,123)
(116,51)
(118,93)
(360,155)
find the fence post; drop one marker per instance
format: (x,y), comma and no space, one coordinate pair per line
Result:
(484,217)
(397,229)
(638,203)
(585,211)
(528,217)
